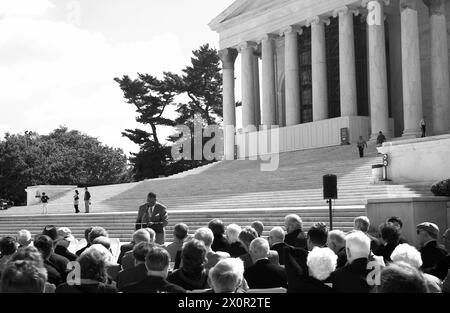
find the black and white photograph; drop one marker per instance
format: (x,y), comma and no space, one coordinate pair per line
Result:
(261,148)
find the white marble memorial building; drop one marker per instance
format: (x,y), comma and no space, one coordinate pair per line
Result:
(328,65)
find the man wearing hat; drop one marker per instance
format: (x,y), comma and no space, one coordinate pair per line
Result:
(62,242)
(430,251)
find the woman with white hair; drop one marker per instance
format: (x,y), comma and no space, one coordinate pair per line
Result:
(410,255)
(92,275)
(321,263)
(236,248)
(227,276)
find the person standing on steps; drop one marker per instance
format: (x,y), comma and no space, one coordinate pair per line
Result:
(153,214)
(76,199)
(423,127)
(44,200)
(87,200)
(380,139)
(361,145)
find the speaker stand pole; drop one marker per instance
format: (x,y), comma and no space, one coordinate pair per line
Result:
(331,213)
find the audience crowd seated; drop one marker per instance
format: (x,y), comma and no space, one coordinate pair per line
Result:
(206,235)
(220,242)
(227,258)
(246,236)
(236,248)
(192,274)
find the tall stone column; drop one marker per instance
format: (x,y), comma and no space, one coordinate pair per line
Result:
(247,50)
(347,65)
(411,73)
(292,79)
(440,89)
(268,80)
(319,68)
(228,57)
(378,86)
(257,91)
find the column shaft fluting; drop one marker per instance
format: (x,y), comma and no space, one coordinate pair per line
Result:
(440,86)
(319,69)
(248,84)
(378,86)
(292,79)
(347,65)
(268,81)
(228,57)
(257,91)
(411,72)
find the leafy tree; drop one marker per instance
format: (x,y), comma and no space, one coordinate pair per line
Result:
(199,92)
(61,158)
(151,97)
(201,82)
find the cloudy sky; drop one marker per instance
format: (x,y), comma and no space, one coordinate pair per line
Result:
(58,59)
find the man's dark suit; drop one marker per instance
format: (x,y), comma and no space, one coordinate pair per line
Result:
(63,251)
(264,274)
(385,251)
(296,267)
(220,243)
(342,258)
(153,284)
(128,260)
(247,259)
(124,249)
(351,278)
(131,276)
(236,249)
(79,252)
(279,247)
(442,267)
(296,238)
(157,219)
(56,266)
(431,254)
(310,285)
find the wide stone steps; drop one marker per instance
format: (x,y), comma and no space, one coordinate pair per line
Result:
(234,191)
(121,225)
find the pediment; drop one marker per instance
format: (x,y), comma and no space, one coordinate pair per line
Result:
(244,8)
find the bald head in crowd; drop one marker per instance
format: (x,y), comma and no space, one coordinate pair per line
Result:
(276,235)
(142,235)
(227,275)
(357,246)
(362,223)
(336,240)
(259,227)
(206,235)
(24,238)
(259,249)
(292,222)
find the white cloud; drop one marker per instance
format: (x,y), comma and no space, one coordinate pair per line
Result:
(54,73)
(24,7)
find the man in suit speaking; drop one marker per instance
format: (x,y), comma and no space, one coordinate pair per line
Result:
(153,215)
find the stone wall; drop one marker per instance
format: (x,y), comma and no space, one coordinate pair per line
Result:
(51,191)
(418,160)
(412,212)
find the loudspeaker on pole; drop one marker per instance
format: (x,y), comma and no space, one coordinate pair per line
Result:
(330,187)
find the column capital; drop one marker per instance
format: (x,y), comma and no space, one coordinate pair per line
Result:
(365,3)
(344,10)
(316,20)
(268,37)
(291,29)
(228,56)
(247,44)
(408,4)
(436,7)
